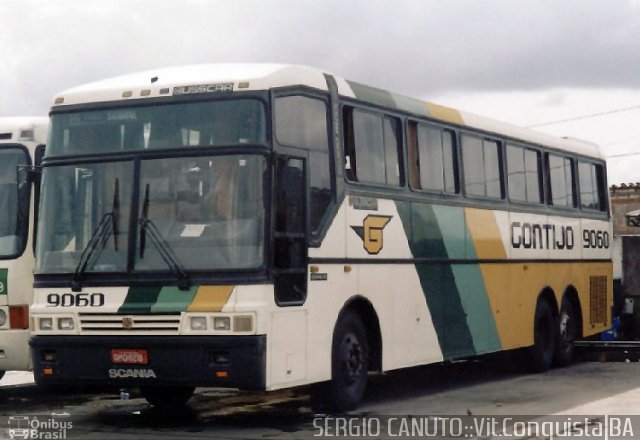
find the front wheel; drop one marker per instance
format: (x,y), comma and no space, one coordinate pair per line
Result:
(167,397)
(349,362)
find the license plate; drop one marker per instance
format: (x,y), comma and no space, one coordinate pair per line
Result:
(129,356)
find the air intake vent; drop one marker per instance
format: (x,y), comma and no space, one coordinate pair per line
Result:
(5,136)
(96,323)
(598,300)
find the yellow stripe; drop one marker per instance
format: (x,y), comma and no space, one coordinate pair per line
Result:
(485,234)
(210,298)
(444,113)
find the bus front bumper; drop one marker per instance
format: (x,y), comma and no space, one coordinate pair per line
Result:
(207,361)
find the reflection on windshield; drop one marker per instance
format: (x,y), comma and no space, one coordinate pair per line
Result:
(75,199)
(209,211)
(14,201)
(207,124)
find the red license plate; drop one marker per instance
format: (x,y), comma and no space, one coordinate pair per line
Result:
(129,356)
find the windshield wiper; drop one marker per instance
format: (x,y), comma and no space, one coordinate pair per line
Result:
(108,225)
(162,246)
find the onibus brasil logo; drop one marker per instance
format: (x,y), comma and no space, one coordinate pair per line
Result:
(49,428)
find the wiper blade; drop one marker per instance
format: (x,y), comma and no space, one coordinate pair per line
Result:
(147,227)
(98,240)
(109,224)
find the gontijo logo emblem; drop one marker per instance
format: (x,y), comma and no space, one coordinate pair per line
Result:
(371,232)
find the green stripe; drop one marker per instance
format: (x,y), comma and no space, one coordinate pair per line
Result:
(140,299)
(172,299)
(4,276)
(372,95)
(468,278)
(437,280)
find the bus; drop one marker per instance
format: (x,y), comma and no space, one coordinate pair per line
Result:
(22,142)
(270,226)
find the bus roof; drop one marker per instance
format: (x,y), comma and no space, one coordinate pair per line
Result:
(215,78)
(16,129)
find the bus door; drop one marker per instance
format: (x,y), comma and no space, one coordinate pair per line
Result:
(290,230)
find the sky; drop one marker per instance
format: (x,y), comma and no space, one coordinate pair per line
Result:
(526,62)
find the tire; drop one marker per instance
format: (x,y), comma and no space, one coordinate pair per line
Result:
(2,374)
(167,397)
(349,363)
(540,355)
(568,332)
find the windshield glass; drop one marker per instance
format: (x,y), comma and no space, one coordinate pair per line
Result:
(211,123)
(208,210)
(14,201)
(75,200)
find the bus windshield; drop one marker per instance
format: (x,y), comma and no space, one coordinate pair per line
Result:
(209,210)
(207,124)
(14,201)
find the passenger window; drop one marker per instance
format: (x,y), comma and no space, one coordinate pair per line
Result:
(524,174)
(372,144)
(431,152)
(481,163)
(591,186)
(561,181)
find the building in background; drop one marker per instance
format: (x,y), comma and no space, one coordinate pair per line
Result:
(625,198)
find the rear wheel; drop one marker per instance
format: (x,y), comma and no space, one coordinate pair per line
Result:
(540,355)
(567,333)
(167,397)
(349,362)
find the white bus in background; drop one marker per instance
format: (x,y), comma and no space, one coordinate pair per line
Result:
(22,142)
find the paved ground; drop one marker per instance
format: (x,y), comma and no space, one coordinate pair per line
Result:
(481,388)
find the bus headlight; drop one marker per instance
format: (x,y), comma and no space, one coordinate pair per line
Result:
(199,323)
(66,324)
(221,323)
(45,323)
(3,318)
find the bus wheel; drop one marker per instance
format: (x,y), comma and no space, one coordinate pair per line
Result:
(2,374)
(167,397)
(349,362)
(540,354)
(567,333)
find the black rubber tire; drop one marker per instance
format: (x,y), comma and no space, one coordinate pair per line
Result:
(540,354)
(167,397)
(567,333)
(349,363)
(2,374)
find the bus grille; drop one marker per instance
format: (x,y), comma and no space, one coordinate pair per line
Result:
(102,323)
(598,300)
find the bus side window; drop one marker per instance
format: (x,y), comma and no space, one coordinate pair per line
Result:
(301,122)
(481,161)
(432,159)
(561,181)
(372,147)
(592,194)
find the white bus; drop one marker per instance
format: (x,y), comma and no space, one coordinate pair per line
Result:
(22,142)
(269,226)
